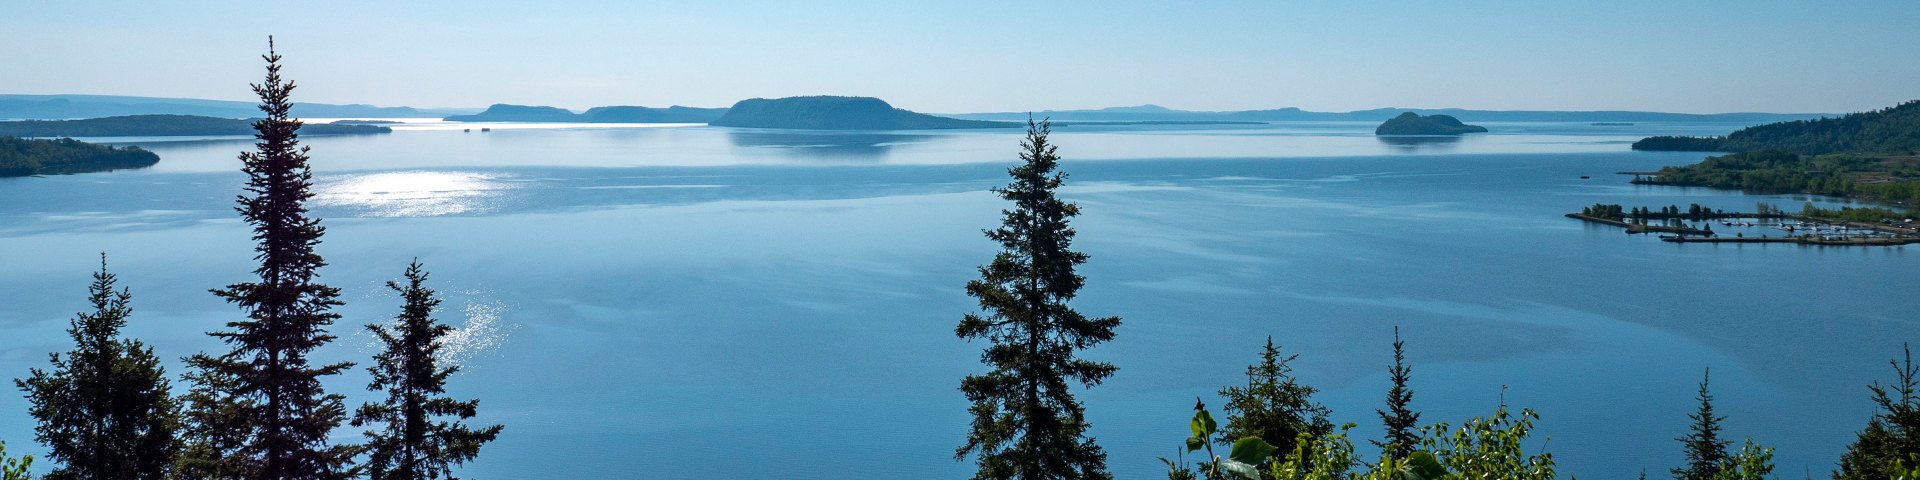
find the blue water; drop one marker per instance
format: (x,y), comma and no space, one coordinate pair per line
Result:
(698,302)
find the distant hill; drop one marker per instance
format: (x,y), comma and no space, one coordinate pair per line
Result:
(838,113)
(20,157)
(1894,130)
(1155,112)
(1413,124)
(501,112)
(161,126)
(95,106)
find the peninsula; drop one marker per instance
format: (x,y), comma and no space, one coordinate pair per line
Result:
(162,126)
(838,113)
(1413,124)
(1892,130)
(501,112)
(21,157)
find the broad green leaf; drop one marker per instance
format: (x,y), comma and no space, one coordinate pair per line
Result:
(1195,443)
(1240,468)
(1251,450)
(1203,425)
(1425,466)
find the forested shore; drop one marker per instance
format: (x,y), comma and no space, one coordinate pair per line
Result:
(21,157)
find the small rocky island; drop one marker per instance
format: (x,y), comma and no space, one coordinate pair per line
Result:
(838,113)
(1410,123)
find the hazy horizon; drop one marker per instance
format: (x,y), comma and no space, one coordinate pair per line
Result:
(992,57)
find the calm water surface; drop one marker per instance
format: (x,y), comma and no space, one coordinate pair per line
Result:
(682,302)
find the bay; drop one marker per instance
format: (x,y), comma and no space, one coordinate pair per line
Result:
(682,301)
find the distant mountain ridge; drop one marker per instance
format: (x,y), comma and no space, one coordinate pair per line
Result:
(838,113)
(60,107)
(501,112)
(1155,112)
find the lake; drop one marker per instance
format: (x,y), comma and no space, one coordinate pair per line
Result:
(703,302)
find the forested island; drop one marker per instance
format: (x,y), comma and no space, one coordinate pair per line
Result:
(1893,130)
(21,157)
(838,113)
(162,126)
(501,112)
(1413,124)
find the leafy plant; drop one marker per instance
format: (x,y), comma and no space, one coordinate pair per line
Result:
(14,468)
(1243,459)
(1753,462)
(1489,447)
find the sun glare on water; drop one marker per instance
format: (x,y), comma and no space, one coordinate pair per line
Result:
(411,194)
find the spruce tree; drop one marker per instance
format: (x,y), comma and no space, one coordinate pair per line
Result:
(1026,424)
(412,445)
(218,422)
(1893,435)
(1273,406)
(1705,450)
(287,310)
(1403,433)
(105,411)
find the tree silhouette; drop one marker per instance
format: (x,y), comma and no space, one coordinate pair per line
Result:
(1402,424)
(1705,450)
(1026,424)
(287,310)
(412,446)
(105,411)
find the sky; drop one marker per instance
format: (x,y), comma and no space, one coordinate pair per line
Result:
(988,56)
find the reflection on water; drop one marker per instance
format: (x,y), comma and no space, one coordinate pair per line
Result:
(1420,144)
(412,194)
(825,144)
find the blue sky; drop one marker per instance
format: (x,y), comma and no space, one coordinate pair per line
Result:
(1685,56)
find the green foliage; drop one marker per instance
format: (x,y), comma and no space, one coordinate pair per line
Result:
(1598,210)
(1894,130)
(1489,448)
(290,414)
(1402,423)
(162,126)
(1777,171)
(218,420)
(1325,457)
(1273,405)
(1893,435)
(1753,462)
(1705,450)
(14,468)
(20,157)
(104,411)
(1907,470)
(1026,423)
(413,446)
(1851,214)
(1244,459)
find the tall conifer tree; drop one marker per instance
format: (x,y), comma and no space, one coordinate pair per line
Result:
(1403,432)
(287,310)
(413,446)
(1026,423)
(1705,450)
(105,411)
(1893,435)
